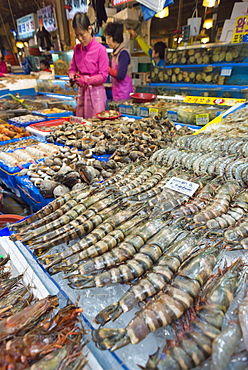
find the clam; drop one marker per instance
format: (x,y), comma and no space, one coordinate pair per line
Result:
(97,135)
(64,149)
(88,174)
(100,150)
(32,174)
(60,190)
(79,185)
(57,161)
(71,178)
(111,164)
(87,153)
(50,172)
(106,174)
(56,168)
(37,182)
(48,162)
(134,155)
(47,187)
(97,164)
(88,141)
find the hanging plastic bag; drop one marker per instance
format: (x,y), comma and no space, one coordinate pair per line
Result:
(149,8)
(195,23)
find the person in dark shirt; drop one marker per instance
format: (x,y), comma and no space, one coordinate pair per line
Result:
(44,66)
(157,53)
(120,69)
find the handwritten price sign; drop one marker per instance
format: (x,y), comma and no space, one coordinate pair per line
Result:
(182,186)
(47,16)
(75,6)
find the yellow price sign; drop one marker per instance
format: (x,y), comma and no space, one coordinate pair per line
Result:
(212,101)
(240,32)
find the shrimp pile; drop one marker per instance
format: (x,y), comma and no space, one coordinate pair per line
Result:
(133,229)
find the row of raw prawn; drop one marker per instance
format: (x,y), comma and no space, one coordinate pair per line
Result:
(199,333)
(205,142)
(213,163)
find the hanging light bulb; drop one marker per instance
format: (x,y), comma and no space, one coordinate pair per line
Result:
(19,45)
(204,40)
(163,13)
(209,3)
(208,23)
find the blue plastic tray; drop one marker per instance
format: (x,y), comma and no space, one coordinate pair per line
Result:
(24,124)
(16,140)
(53,115)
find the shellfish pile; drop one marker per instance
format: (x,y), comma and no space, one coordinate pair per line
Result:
(127,141)
(66,170)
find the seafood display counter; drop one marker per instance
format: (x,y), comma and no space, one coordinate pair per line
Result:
(210,70)
(157,252)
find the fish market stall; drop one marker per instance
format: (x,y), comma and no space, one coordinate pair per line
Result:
(140,247)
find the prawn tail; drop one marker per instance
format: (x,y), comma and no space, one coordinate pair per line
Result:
(111,339)
(112,312)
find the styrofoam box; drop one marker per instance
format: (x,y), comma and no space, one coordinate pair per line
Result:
(127,14)
(136,81)
(239,9)
(227,31)
(110,12)
(135,64)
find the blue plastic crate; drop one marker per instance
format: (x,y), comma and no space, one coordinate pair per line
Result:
(5,142)
(24,124)
(53,115)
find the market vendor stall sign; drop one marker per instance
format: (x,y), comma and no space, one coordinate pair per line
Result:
(47,16)
(26,26)
(216,101)
(74,6)
(240,32)
(119,2)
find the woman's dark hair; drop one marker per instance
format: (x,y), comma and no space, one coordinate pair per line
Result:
(45,62)
(159,48)
(115,30)
(81,20)
(2,52)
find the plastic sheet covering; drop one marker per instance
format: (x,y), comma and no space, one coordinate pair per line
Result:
(149,8)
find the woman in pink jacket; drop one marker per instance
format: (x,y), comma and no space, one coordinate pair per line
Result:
(121,68)
(88,69)
(3,65)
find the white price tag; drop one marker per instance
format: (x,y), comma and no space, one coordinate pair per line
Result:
(182,186)
(226,71)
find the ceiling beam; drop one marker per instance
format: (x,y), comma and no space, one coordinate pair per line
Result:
(5,9)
